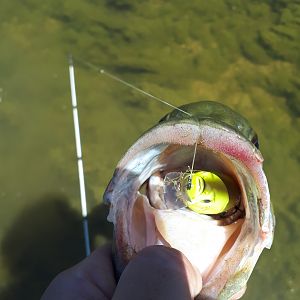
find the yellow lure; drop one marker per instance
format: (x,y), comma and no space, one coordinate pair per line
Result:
(207,193)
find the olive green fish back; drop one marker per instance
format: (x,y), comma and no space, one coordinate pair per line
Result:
(217,112)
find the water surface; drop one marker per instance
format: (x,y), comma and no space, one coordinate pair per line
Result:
(245,55)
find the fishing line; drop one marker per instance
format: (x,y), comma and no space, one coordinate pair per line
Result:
(141,91)
(79,158)
(194,156)
(130,85)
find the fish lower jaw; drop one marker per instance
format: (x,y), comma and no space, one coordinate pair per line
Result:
(201,240)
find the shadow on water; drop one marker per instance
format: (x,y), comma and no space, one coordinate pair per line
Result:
(45,239)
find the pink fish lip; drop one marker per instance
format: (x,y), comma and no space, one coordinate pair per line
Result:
(130,173)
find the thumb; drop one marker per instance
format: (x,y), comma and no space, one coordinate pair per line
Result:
(158,272)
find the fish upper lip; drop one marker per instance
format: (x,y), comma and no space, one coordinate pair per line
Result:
(188,132)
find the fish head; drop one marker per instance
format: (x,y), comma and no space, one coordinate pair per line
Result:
(149,204)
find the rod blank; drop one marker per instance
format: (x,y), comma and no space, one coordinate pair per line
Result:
(79,158)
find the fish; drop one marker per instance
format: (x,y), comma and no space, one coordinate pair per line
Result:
(195,182)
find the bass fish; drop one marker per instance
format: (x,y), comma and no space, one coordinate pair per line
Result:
(194,182)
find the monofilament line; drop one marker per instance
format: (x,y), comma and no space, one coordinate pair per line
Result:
(141,91)
(79,158)
(194,156)
(114,77)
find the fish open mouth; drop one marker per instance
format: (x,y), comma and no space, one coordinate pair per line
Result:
(219,244)
(159,218)
(178,160)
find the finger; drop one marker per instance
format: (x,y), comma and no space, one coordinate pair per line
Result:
(98,269)
(158,272)
(92,278)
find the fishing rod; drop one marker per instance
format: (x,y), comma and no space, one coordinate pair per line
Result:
(79,158)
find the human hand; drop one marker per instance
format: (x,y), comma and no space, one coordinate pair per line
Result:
(156,272)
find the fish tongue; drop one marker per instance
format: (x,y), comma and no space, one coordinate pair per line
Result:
(200,240)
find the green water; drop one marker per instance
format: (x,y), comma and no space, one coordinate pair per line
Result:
(242,53)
